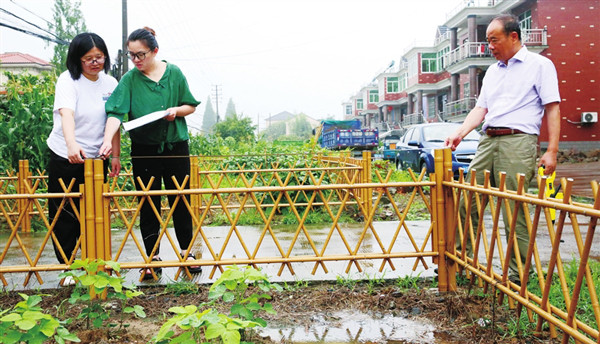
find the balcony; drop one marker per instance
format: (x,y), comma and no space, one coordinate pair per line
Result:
(412,119)
(459,59)
(456,111)
(471,3)
(443,37)
(465,51)
(536,40)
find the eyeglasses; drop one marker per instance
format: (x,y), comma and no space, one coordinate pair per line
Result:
(140,56)
(90,60)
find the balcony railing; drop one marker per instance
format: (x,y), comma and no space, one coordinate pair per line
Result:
(412,119)
(467,50)
(458,108)
(530,37)
(441,38)
(533,37)
(471,3)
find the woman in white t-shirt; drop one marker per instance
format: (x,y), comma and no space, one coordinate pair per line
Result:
(79,120)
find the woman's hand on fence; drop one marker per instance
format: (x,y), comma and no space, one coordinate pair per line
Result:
(115,166)
(105,149)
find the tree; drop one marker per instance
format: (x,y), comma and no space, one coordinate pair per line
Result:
(274,131)
(230,109)
(68,22)
(300,127)
(240,129)
(209,119)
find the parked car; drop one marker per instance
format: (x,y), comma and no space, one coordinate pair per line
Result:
(388,141)
(416,147)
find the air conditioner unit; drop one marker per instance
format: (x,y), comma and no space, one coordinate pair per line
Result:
(589,117)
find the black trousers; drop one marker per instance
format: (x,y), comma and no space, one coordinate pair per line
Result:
(174,160)
(67,228)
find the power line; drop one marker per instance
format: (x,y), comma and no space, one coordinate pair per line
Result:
(28,22)
(55,40)
(35,14)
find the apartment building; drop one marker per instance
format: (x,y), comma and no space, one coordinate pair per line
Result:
(441,82)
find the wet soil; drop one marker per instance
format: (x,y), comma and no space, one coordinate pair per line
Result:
(456,317)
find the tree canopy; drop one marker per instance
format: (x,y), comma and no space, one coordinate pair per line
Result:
(210,117)
(68,22)
(237,127)
(300,127)
(230,109)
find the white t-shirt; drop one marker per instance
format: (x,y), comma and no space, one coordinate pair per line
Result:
(86,98)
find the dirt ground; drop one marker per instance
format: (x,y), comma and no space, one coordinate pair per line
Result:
(458,317)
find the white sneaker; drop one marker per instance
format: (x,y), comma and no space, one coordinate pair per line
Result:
(68,281)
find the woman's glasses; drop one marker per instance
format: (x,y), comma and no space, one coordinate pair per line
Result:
(140,56)
(88,61)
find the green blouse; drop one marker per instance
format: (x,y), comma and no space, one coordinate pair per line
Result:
(137,95)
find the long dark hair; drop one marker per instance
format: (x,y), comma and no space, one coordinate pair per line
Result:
(80,45)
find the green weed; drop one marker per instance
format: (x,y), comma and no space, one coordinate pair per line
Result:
(346,281)
(181,287)
(408,282)
(373,282)
(296,285)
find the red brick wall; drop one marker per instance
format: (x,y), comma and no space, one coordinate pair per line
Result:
(573,40)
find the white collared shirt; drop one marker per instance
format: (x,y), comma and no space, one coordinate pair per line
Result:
(515,94)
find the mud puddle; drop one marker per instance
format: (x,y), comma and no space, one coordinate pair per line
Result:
(357,327)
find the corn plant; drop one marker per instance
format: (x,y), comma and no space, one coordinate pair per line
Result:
(27,323)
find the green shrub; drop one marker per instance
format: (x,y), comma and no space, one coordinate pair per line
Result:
(26,117)
(27,323)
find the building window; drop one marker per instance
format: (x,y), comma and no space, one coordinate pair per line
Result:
(392,84)
(428,63)
(348,109)
(466,90)
(359,104)
(373,96)
(402,85)
(441,58)
(525,20)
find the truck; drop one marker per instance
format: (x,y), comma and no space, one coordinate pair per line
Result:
(389,141)
(337,135)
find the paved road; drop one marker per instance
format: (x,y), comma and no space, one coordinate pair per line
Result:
(582,174)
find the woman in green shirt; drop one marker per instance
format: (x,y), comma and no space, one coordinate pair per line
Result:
(158,149)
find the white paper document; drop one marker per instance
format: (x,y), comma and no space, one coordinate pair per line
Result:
(138,122)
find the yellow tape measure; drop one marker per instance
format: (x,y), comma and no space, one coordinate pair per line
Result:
(550,191)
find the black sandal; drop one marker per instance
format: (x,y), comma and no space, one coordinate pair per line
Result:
(147,272)
(193,269)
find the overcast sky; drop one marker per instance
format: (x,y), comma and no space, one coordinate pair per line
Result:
(268,56)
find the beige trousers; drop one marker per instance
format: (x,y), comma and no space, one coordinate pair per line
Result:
(512,154)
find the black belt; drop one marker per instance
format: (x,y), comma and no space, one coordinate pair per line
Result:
(501,131)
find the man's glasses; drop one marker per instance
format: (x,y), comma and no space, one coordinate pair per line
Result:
(140,56)
(90,60)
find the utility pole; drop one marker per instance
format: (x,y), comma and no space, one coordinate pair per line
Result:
(215,95)
(125,64)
